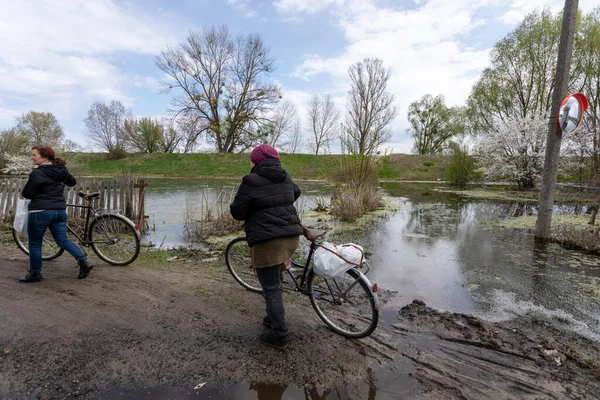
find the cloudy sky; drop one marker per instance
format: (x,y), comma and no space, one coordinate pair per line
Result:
(62,55)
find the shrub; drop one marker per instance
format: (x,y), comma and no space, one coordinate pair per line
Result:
(462,165)
(346,204)
(355,190)
(321,205)
(117,153)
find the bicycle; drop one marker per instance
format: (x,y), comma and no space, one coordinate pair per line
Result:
(113,237)
(348,304)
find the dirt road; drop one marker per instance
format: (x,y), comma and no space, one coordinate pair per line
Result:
(130,330)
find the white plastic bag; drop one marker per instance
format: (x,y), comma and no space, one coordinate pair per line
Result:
(21,214)
(331,260)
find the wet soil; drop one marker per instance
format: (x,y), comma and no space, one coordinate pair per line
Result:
(161,331)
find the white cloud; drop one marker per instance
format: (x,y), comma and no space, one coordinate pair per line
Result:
(95,27)
(57,50)
(423,48)
(243,6)
(148,82)
(303,6)
(8,116)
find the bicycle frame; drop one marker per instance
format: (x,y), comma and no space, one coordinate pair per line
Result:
(301,287)
(86,240)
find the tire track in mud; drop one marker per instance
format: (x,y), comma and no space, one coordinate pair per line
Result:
(475,359)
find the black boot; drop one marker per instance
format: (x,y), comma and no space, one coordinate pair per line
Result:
(84,268)
(269,339)
(31,278)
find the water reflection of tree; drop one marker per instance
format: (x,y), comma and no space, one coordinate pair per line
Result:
(447,220)
(434,220)
(521,209)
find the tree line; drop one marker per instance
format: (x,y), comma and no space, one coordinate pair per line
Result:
(504,121)
(222,95)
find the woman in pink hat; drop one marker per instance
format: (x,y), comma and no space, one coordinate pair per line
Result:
(265,202)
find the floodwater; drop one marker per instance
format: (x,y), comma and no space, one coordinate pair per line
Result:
(167,202)
(433,248)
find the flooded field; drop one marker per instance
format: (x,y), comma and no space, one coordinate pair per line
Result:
(435,247)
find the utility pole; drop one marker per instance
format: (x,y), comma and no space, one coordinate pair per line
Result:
(563,72)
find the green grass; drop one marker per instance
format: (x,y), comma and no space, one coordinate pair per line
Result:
(412,167)
(400,167)
(197,165)
(214,166)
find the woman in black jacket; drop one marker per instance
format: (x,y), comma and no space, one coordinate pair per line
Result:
(265,202)
(45,188)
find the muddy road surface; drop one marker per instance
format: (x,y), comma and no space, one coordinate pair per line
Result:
(141,332)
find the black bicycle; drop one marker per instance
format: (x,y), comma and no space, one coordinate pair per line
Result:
(113,237)
(348,303)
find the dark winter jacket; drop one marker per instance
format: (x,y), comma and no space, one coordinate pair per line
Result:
(45,187)
(265,201)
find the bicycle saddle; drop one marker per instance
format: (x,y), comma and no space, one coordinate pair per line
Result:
(88,196)
(312,235)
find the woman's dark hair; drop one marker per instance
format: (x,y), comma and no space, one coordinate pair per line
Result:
(48,153)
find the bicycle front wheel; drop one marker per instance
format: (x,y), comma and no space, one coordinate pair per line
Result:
(346,303)
(50,250)
(239,263)
(114,239)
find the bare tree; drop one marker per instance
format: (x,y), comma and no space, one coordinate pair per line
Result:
(105,123)
(219,86)
(40,128)
(294,137)
(280,123)
(322,120)
(370,108)
(186,130)
(70,146)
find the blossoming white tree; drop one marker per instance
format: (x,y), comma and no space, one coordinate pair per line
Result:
(515,150)
(17,165)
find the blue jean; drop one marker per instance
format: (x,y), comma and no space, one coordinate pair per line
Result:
(270,280)
(37,223)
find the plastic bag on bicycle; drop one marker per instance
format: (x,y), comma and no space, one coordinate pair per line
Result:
(331,260)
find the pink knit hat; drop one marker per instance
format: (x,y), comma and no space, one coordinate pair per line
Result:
(262,152)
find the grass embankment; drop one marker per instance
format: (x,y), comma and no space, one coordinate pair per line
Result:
(214,166)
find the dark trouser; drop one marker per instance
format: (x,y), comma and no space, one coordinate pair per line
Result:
(270,281)
(37,223)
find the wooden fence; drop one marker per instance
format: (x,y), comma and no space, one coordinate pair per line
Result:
(124,195)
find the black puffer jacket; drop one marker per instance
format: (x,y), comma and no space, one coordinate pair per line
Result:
(265,201)
(45,187)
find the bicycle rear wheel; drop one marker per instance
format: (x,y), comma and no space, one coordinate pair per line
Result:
(114,239)
(239,263)
(346,303)
(50,250)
